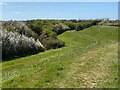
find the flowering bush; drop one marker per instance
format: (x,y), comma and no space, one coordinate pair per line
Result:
(20,27)
(14,44)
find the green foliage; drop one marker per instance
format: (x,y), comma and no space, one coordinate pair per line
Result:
(79,27)
(89,56)
(46,31)
(49,40)
(60,28)
(109,23)
(36,26)
(71,25)
(20,27)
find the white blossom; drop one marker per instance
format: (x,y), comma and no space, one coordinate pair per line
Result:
(15,44)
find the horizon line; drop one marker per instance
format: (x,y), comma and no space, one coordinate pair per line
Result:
(54,19)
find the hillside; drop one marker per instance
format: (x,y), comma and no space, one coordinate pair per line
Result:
(19,35)
(88,59)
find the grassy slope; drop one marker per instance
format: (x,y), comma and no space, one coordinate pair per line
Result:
(89,59)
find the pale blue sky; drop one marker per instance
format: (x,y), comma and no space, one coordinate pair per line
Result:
(59,10)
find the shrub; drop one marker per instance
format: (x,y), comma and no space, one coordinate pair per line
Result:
(72,26)
(60,28)
(79,27)
(52,43)
(14,44)
(49,40)
(20,27)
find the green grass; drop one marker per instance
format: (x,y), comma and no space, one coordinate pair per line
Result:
(88,60)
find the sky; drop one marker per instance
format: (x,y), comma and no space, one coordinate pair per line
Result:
(58,10)
(60,0)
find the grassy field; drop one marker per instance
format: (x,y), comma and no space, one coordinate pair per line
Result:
(88,60)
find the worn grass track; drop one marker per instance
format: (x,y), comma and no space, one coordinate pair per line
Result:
(89,59)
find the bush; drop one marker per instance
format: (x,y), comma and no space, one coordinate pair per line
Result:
(21,37)
(36,27)
(72,26)
(79,27)
(52,43)
(20,27)
(49,40)
(14,44)
(60,28)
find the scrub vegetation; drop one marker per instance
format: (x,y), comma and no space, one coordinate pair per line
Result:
(69,54)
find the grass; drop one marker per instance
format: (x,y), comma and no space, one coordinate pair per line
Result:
(88,60)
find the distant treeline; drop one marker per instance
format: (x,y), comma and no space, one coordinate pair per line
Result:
(21,38)
(109,22)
